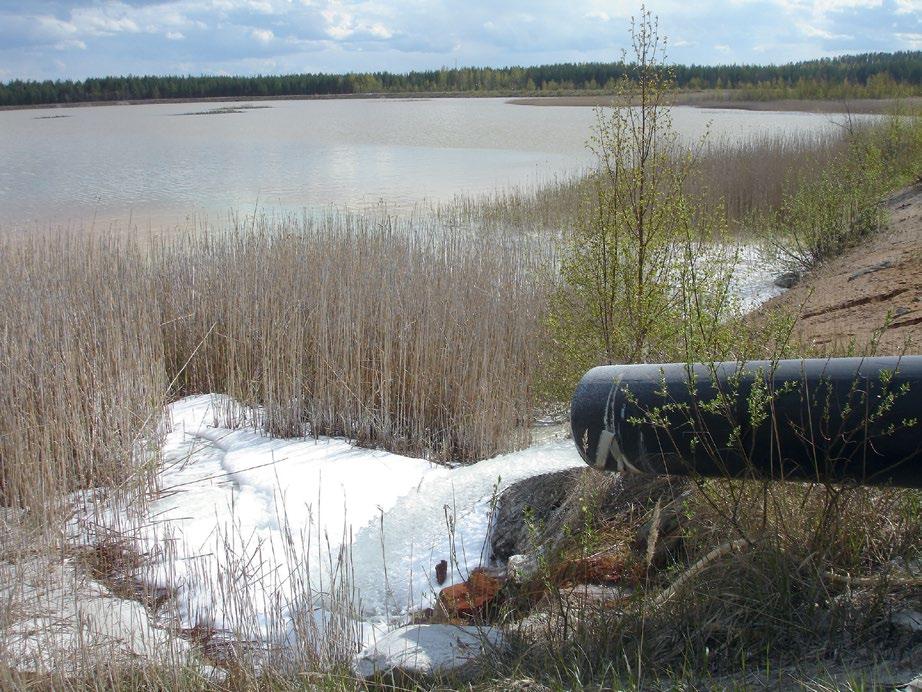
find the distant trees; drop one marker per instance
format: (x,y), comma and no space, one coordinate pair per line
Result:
(870,75)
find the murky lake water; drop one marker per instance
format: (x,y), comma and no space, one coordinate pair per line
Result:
(157,166)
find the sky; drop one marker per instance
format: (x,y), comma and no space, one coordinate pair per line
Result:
(74,39)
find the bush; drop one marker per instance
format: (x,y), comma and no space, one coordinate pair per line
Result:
(641,276)
(821,217)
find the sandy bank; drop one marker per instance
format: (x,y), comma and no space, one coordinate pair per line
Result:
(874,288)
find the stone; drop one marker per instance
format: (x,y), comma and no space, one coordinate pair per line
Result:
(668,532)
(526,508)
(429,650)
(533,515)
(886,264)
(914,685)
(441,572)
(908,620)
(521,568)
(598,569)
(787,280)
(472,599)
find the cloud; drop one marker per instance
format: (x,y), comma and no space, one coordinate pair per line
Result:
(92,37)
(815,32)
(912,40)
(262,35)
(70,44)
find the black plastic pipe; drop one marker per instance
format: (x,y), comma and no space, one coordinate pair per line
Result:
(823,420)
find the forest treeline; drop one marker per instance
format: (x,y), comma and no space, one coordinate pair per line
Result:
(868,75)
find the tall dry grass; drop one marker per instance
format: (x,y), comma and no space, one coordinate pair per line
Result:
(418,340)
(739,178)
(81,365)
(395,334)
(751,176)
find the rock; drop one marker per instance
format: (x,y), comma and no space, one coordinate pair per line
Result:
(787,280)
(913,685)
(441,572)
(525,508)
(667,532)
(886,264)
(429,650)
(533,515)
(907,620)
(537,625)
(471,600)
(521,568)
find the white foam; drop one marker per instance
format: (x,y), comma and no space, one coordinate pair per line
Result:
(244,520)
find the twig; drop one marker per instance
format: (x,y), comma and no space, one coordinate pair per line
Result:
(698,567)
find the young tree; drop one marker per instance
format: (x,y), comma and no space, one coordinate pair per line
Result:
(636,280)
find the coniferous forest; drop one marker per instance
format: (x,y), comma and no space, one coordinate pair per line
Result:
(868,75)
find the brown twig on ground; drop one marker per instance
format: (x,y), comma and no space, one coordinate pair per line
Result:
(693,571)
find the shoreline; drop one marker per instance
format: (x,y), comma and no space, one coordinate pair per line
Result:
(706,100)
(696,99)
(871,293)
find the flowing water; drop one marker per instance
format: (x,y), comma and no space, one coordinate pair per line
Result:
(160,164)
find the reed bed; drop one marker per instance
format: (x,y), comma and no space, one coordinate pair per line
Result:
(416,339)
(739,179)
(395,334)
(81,366)
(752,176)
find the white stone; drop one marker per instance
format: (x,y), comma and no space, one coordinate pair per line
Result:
(429,650)
(521,568)
(913,686)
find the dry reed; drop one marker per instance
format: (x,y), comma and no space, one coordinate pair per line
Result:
(394,334)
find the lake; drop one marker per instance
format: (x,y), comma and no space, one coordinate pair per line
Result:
(161,164)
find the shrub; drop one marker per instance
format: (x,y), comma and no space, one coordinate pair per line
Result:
(641,276)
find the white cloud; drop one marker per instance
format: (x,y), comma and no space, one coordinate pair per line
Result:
(70,44)
(100,21)
(601,16)
(378,30)
(174,36)
(816,32)
(908,6)
(263,35)
(53,27)
(912,40)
